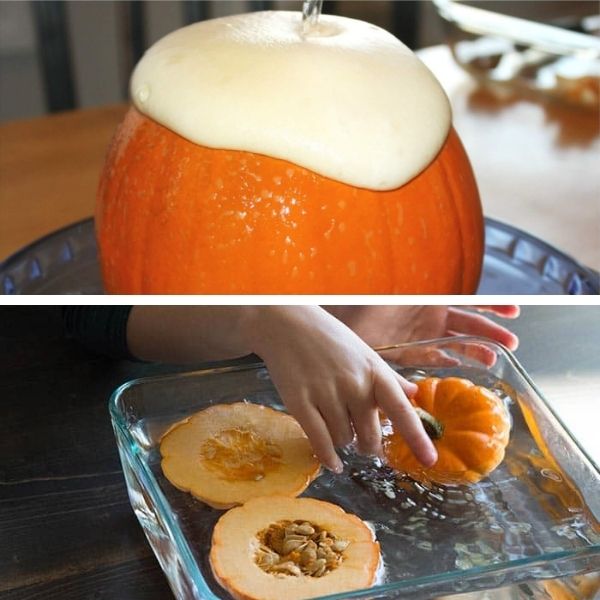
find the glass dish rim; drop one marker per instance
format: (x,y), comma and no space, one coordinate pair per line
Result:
(186,555)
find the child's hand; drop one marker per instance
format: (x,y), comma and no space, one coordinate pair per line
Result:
(384,325)
(333,383)
(328,377)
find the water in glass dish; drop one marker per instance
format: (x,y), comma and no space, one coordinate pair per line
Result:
(525,509)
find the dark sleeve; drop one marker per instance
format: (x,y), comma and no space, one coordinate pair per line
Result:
(102,329)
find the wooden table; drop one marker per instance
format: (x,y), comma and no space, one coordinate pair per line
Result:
(537,162)
(49,170)
(67,530)
(538,165)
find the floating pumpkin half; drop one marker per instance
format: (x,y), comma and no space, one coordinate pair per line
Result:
(228,453)
(259,158)
(276,548)
(468,424)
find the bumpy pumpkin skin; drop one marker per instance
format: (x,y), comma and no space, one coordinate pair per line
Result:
(476,432)
(177,217)
(234,544)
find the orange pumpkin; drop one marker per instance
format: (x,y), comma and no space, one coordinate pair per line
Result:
(177,217)
(468,424)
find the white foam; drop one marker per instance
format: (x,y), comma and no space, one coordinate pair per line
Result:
(348,101)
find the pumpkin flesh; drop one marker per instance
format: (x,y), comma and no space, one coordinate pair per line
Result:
(228,453)
(177,217)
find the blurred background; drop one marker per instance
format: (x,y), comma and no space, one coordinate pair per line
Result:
(59,55)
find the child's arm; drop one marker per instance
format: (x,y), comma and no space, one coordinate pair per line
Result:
(329,379)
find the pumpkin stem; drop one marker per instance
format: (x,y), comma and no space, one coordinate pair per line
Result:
(433,428)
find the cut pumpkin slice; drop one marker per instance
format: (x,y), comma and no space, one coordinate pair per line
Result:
(228,453)
(276,547)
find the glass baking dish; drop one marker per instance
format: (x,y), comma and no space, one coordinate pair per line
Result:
(536,517)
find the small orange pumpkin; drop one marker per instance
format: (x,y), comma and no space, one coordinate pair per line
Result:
(229,453)
(468,424)
(249,557)
(174,217)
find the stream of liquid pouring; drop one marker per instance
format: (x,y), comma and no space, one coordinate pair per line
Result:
(311,9)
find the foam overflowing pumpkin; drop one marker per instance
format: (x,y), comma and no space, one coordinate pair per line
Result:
(228,453)
(260,159)
(276,548)
(468,424)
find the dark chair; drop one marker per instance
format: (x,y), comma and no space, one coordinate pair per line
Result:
(55,53)
(195,10)
(405,19)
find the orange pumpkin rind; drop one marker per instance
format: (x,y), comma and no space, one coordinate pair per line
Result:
(177,217)
(236,540)
(227,454)
(475,430)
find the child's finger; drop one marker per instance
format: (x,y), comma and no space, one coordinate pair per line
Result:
(338,422)
(508,311)
(475,351)
(365,419)
(408,387)
(391,399)
(424,356)
(314,426)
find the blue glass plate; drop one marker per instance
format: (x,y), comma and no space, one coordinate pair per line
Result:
(65,262)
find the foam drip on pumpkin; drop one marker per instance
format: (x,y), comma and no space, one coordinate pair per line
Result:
(348,101)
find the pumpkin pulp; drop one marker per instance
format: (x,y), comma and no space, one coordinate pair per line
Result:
(240,453)
(299,548)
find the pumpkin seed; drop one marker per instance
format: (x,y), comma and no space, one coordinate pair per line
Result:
(266,557)
(292,544)
(288,568)
(299,548)
(305,529)
(319,567)
(296,537)
(309,554)
(339,545)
